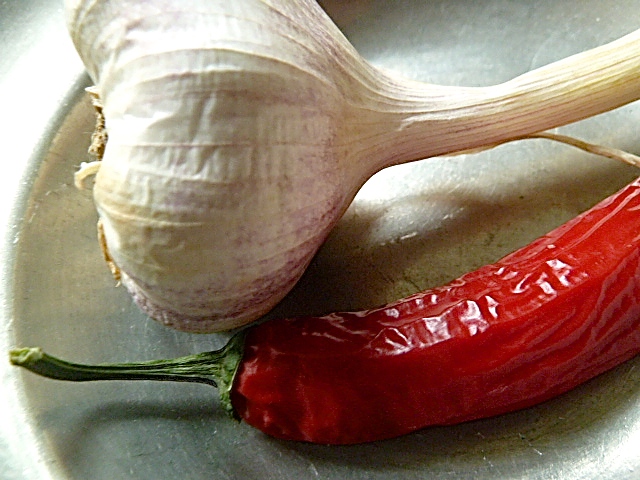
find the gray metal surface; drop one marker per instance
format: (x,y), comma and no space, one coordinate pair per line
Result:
(411,227)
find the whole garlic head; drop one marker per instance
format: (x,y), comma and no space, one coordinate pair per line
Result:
(239,132)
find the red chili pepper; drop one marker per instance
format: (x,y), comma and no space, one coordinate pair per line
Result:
(531,326)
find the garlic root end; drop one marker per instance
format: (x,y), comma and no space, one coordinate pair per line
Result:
(86,170)
(99,139)
(115,271)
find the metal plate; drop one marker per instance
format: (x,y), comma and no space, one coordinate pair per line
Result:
(411,227)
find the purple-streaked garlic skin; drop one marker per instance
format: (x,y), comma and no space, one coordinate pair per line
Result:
(219,181)
(196,238)
(239,132)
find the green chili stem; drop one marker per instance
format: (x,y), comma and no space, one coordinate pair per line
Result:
(217,368)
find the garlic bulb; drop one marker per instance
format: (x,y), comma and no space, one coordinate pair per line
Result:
(239,132)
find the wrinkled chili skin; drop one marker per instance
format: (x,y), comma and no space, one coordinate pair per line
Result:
(509,335)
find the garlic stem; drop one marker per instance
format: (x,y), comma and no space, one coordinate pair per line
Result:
(443,120)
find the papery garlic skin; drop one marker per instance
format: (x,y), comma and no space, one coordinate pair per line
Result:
(240,131)
(216,133)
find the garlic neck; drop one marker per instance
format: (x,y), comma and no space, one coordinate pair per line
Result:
(409,121)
